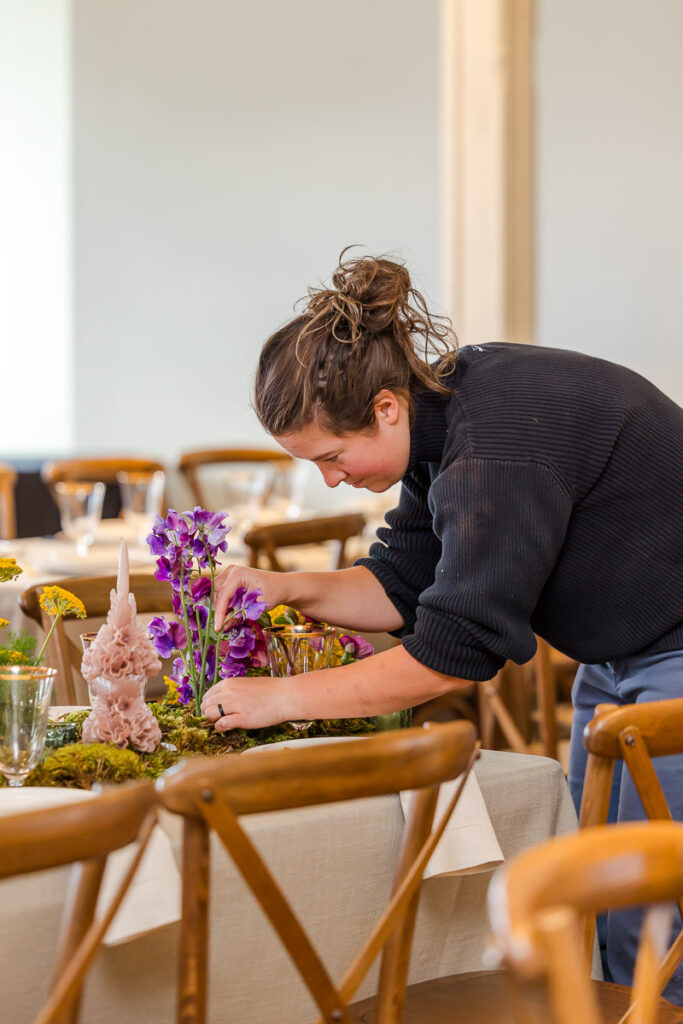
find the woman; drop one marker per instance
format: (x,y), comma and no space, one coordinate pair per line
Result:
(541,494)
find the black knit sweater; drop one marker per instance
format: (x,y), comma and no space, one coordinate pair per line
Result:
(544,496)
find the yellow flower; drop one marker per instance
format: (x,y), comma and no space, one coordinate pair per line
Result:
(9,569)
(57,601)
(171,690)
(4,623)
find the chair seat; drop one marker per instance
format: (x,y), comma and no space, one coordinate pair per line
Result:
(491,997)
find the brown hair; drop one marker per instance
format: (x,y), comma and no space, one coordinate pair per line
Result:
(352,341)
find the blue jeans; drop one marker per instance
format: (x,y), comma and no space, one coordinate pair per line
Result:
(628,681)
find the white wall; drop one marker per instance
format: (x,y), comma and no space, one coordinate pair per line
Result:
(35,227)
(224,153)
(609,173)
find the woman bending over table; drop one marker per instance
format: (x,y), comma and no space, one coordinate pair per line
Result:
(541,493)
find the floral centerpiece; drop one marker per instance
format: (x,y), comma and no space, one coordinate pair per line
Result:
(187,546)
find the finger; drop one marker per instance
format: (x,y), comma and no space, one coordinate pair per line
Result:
(224,591)
(233,720)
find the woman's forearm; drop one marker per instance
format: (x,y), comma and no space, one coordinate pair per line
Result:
(352,598)
(386,682)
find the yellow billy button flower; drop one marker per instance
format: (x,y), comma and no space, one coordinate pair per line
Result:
(9,569)
(57,601)
(171,690)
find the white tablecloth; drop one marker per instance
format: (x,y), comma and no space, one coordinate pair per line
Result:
(334,862)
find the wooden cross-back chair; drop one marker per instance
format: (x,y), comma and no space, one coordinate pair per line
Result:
(95,468)
(190,463)
(537,903)
(82,834)
(8,522)
(634,733)
(212,794)
(64,653)
(268,539)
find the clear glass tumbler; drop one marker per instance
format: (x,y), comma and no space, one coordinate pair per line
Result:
(80,511)
(25,692)
(295,649)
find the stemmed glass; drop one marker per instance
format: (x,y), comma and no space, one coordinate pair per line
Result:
(25,692)
(80,510)
(142,495)
(244,493)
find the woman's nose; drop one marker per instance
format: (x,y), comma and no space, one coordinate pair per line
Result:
(332,475)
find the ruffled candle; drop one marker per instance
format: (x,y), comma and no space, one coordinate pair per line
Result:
(116,667)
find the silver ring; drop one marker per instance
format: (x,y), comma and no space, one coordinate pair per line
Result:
(220,710)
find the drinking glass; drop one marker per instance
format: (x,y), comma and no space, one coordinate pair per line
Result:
(80,511)
(25,692)
(244,493)
(295,649)
(142,496)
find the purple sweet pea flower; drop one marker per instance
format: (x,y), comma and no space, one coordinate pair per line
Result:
(185,692)
(247,603)
(200,588)
(356,646)
(239,642)
(167,636)
(229,668)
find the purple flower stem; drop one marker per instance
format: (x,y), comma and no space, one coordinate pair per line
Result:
(189,661)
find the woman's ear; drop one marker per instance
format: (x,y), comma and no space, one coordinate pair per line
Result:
(387,408)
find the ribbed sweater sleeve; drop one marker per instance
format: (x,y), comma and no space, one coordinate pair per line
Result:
(407,550)
(501,525)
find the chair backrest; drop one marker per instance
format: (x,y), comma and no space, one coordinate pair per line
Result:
(65,652)
(82,834)
(635,733)
(211,794)
(190,463)
(8,522)
(268,539)
(94,469)
(537,901)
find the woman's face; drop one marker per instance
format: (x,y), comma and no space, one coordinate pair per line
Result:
(374,459)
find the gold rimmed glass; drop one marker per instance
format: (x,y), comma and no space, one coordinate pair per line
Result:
(25,692)
(295,649)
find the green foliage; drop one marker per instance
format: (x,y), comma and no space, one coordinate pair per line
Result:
(18,649)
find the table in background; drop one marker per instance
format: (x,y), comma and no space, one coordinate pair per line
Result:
(335,864)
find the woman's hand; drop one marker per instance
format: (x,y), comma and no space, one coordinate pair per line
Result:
(249,702)
(271,584)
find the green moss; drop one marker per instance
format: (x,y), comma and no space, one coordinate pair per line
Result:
(79,765)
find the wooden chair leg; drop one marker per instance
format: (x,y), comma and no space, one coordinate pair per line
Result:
(192,982)
(546,697)
(495,711)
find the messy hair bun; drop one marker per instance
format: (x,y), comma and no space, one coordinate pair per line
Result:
(370,331)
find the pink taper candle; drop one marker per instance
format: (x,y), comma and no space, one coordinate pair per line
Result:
(121,609)
(123,578)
